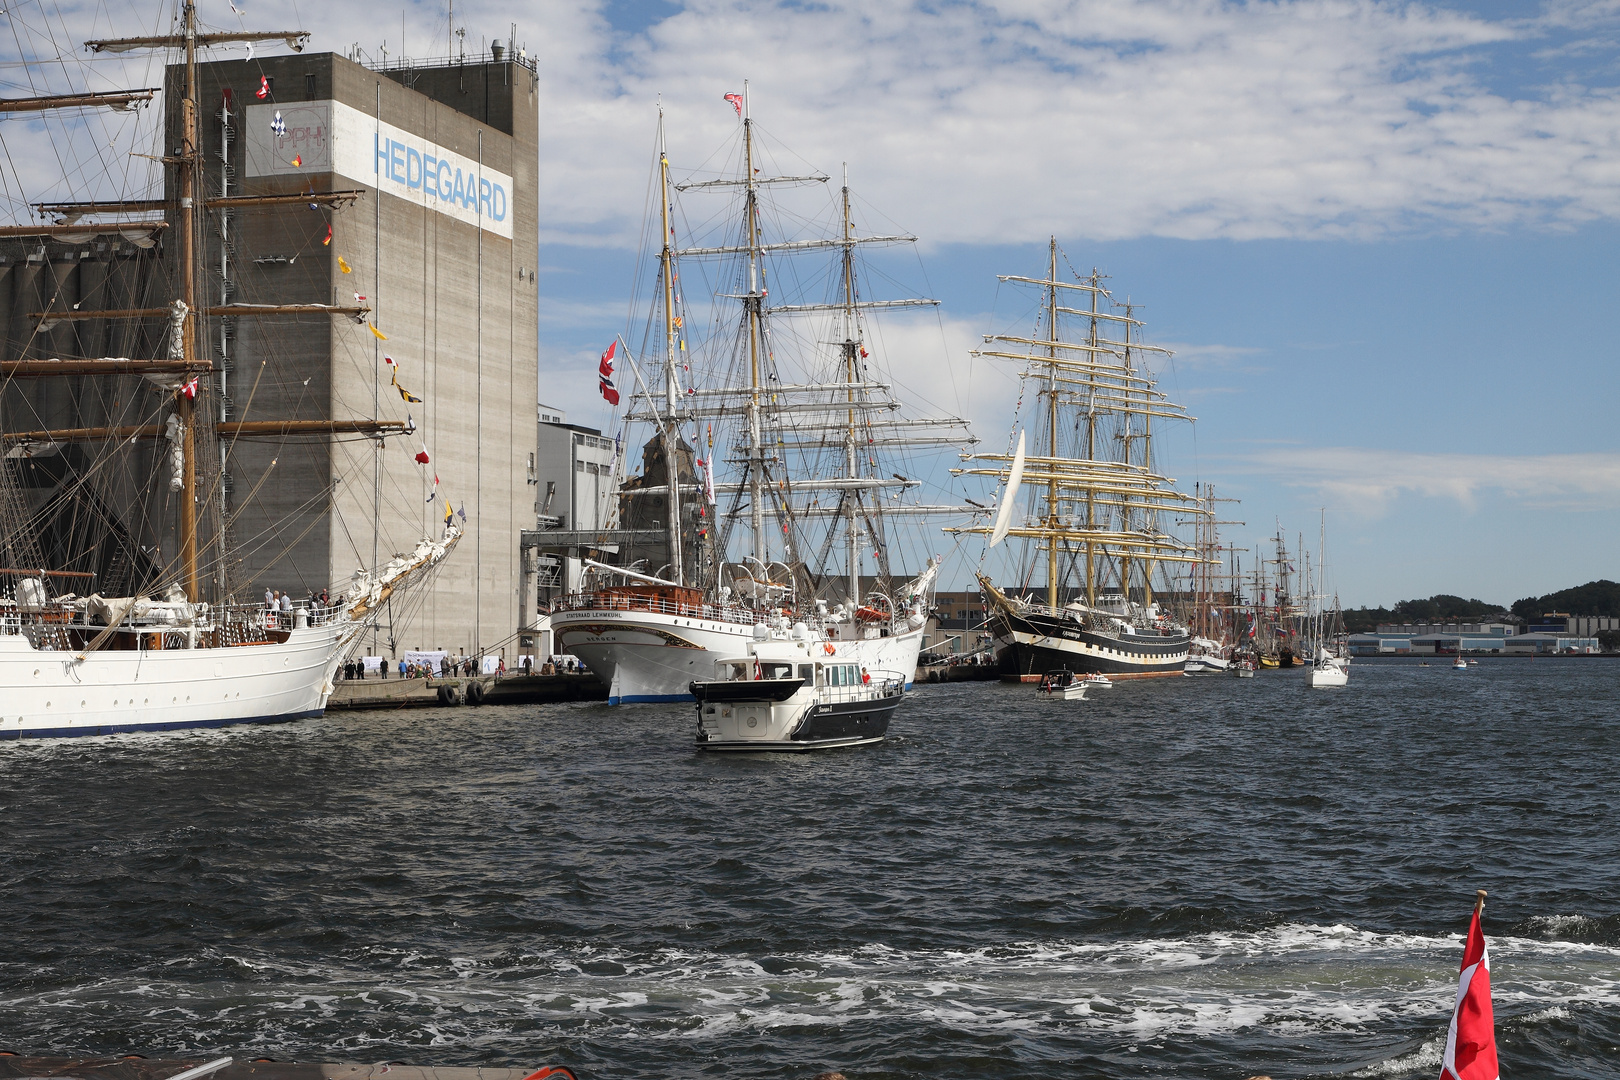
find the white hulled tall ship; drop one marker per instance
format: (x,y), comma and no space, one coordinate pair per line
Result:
(168,648)
(1095,510)
(778,463)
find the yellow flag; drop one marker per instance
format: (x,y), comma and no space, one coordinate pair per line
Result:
(378,334)
(343,266)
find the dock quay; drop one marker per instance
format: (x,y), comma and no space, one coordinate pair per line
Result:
(508,689)
(938,673)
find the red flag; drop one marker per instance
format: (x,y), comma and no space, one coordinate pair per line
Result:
(736,103)
(264,88)
(328,241)
(422,457)
(1471,1041)
(612,395)
(605,368)
(190,389)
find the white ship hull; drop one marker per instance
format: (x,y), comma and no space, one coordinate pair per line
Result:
(49,693)
(1207,664)
(643,656)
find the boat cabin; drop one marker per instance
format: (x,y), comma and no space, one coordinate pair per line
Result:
(741,670)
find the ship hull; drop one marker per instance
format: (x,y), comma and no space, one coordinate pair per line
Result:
(1029,646)
(650,656)
(50,694)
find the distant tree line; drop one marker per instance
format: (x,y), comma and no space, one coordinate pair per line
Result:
(1593,598)
(1440,608)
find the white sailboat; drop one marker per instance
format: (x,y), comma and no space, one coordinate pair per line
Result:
(797,459)
(170,654)
(1328,667)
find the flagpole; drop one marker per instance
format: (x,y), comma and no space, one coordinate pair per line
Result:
(1479,902)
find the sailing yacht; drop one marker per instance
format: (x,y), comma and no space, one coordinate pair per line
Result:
(1097,509)
(171,650)
(1328,667)
(777,464)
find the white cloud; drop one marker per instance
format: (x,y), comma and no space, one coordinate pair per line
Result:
(990,122)
(1006,121)
(1367,481)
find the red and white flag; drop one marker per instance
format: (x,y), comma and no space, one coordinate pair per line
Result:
(264,88)
(736,103)
(605,368)
(608,391)
(1471,1042)
(190,388)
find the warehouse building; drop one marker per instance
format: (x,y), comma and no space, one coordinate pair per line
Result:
(434,256)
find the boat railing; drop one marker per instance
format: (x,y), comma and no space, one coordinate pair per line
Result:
(237,624)
(732,613)
(884,684)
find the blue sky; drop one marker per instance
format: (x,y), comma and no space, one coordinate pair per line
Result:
(1404,313)
(1380,237)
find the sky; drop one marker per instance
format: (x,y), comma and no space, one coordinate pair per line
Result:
(1379,238)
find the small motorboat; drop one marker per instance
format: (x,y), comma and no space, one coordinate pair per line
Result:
(1460,665)
(1242,669)
(1064,685)
(1096,680)
(785,696)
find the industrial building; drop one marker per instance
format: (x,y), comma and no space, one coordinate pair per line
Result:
(397,211)
(434,258)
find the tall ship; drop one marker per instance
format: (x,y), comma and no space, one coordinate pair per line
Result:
(1086,503)
(778,462)
(118,611)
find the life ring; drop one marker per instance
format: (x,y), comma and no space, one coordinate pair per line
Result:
(828,648)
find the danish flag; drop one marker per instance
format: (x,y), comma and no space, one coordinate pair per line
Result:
(190,389)
(1471,1041)
(264,88)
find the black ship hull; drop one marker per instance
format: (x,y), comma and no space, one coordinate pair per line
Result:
(1029,645)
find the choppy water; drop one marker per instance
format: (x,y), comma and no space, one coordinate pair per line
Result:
(1188,877)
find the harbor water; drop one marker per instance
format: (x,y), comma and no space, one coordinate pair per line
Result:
(1202,878)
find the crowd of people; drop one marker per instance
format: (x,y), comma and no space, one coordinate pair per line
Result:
(279,606)
(448,667)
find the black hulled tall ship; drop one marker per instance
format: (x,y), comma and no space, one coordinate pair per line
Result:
(1087,503)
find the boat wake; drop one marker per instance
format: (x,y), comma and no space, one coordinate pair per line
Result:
(1332,986)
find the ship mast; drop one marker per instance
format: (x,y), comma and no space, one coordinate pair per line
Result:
(852,496)
(1123,496)
(187,164)
(671,390)
(1051,434)
(756,450)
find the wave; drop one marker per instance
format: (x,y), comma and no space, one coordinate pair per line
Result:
(1292,980)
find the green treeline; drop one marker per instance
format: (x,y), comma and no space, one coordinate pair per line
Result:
(1593,598)
(1440,608)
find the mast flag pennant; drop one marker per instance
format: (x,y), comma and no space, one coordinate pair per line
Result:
(1471,1041)
(604,372)
(264,88)
(422,456)
(736,103)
